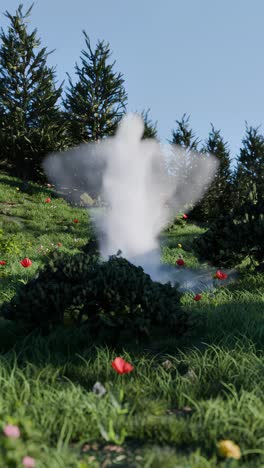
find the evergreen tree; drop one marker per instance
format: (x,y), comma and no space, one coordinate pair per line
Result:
(31,124)
(182,162)
(249,175)
(183,135)
(240,234)
(96,102)
(217,200)
(150,130)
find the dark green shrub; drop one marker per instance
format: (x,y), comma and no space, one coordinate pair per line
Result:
(110,297)
(232,238)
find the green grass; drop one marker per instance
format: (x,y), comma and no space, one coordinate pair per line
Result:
(153,417)
(34,223)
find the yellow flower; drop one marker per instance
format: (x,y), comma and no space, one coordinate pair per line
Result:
(180,246)
(228,449)
(17,188)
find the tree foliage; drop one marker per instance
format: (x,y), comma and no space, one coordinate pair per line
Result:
(31,124)
(150,130)
(217,199)
(96,102)
(240,234)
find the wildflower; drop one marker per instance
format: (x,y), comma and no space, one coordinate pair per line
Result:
(167,364)
(180,246)
(180,262)
(197,297)
(26,262)
(228,449)
(220,275)
(75,220)
(11,431)
(121,366)
(49,185)
(48,200)
(184,216)
(2,262)
(29,462)
(59,244)
(17,188)
(99,389)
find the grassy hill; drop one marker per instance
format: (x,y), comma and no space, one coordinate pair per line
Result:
(182,397)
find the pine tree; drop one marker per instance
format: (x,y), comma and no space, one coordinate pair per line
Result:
(184,136)
(150,130)
(96,102)
(249,175)
(217,200)
(31,124)
(182,161)
(240,234)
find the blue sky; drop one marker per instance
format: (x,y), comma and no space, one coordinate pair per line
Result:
(202,57)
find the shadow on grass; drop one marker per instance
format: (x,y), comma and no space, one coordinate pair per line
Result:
(224,325)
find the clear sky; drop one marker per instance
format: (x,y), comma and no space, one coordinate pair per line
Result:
(202,57)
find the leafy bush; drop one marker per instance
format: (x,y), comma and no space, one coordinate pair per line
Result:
(110,297)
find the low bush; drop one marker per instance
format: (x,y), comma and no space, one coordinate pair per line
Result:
(112,298)
(232,238)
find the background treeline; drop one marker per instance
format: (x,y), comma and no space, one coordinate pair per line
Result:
(38,116)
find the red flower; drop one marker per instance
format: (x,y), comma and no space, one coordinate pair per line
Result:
(180,262)
(75,220)
(220,275)
(185,216)
(197,298)
(59,244)
(26,262)
(2,262)
(48,200)
(121,366)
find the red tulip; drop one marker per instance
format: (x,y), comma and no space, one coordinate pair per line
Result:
(220,275)
(75,220)
(26,262)
(185,216)
(121,366)
(180,262)
(197,298)
(2,262)
(48,200)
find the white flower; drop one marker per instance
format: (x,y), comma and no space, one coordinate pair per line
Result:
(99,389)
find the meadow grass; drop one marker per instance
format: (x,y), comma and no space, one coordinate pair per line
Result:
(159,415)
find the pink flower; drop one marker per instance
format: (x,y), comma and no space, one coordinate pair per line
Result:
(220,275)
(2,262)
(197,297)
(11,431)
(185,216)
(48,200)
(180,262)
(29,462)
(26,262)
(121,366)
